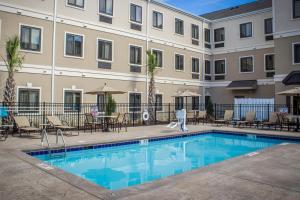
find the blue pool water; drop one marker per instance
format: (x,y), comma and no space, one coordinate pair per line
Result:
(123,166)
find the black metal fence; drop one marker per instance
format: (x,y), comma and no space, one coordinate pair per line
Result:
(163,113)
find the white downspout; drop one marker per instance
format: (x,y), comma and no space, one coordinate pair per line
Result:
(53,56)
(147,47)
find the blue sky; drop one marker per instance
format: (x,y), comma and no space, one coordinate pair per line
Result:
(203,6)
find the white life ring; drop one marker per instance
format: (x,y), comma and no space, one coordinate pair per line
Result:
(145,116)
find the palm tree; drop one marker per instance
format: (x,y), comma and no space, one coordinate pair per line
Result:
(152,64)
(13,62)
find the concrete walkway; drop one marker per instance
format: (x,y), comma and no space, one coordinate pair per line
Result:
(272,174)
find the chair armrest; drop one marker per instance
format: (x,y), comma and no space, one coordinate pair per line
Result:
(65,122)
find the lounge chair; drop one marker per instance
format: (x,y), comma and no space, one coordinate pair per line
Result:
(190,117)
(91,123)
(60,125)
(273,121)
(228,115)
(250,119)
(201,115)
(24,125)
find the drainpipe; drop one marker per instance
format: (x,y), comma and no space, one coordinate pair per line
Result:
(53,55)
(147,47)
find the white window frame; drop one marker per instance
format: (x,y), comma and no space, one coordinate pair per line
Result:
(163,14)
(72,90)
(268,34)
(77,7)
(181,35)
(293,53)
(205,42)
(29,88)
(42,33)
(163,60)
(219,41)
(104,14)
(128,100)
(142,61)
(178,70)
(265,55)
(253,61)
(193,57)
(162,101)
(65,43)
(214,62)
(252,30)
(112,50)
(129,15)
(210,68)
(198,32)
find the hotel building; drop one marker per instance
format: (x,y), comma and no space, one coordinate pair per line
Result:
(74,46)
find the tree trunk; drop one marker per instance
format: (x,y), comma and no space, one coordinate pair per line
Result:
(9,95)
(151,100)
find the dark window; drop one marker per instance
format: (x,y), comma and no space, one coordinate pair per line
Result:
(135,55)
(297,53)
(159,57)
(179,62)
(104,50)
(136,13)
(106,7)
(296,8)
(100,102)
(268,26)
(220,67)
(178,103)
(158,102)
(246,64)
(74,45)
(269,62)
(29,100)
(246,30)
(195,65)
(72,101)
(179,26)
(207,67)
(157,20)
(135,102)
(30,38)
(195,103)
(76,3)
(207,35)
(195,32)
(219,34)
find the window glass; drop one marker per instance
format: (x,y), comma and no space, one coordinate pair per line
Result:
(268,26)
(195,103)
(207,35)
(76,3)
(246,30)
(159,57)
(30,38)
(106,7)
(296,8)
(219,35)
(297,53)
(104,50)
(136,13)
(246,64)
(178,103)
(135,55)
(157,20)
(179,26)
(29,100)
(135,102)
(158,102)
(195,32)
(269,62)
(72,101)
(220,67)
(74,45)
(207,67)
(195,65)
(179,62)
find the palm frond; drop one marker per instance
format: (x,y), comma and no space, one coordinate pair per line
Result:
(14,59)
(152,63)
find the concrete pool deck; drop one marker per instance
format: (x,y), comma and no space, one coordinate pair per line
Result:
(272,174)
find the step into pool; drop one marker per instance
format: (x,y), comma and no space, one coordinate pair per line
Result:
(117,167)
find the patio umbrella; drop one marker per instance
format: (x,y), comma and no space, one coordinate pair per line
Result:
(187,94)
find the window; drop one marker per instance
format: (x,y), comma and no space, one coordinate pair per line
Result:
(135,13)
(296,8)
(246,30)
(219,35)
(207,35)
(76,3)
(195,32)
(159,57)
(195,65)
(220,67)
(74,45)
(246,64)
(104,50)
(28,100)
(159,102)
(100,102)
(179,26)
(268,26)
(30,38)
(179,62)
(72,101)
(157,20)
(296,53)
(207,67)
(178,103)
(106,7)
(195,103)
(135,102)
(269,62)
(135,55)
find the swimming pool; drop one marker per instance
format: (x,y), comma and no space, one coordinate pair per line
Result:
(133,163)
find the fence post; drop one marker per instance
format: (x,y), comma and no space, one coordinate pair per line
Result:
(44,114)
(169,113)
(240,111)
(268,112)
(78,116)
(215,111)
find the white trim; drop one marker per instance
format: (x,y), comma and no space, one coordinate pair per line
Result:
(77,7)
(129,14)
(71,90)
(279,77)
(163,20)
(104,14)
(163,60)
(293,53)
(178,70)
(112,50)
(253,64)
(29,88)
(142,57)
(65,43)
(42,32)
(287,33)
(267,54)
(214,61)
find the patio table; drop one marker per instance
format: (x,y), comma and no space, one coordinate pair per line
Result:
(296,119)
(104,119)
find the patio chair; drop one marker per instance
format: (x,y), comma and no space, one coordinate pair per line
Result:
(190,117)
(60,125)
(250,119)
(228,115)
(113,122)
(24,125)
(285,122)
(122,121)
(201,115)
(91,123)
(273,121)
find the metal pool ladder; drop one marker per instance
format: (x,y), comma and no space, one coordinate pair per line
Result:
(56,145)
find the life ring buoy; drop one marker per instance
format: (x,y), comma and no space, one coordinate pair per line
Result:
(145,116)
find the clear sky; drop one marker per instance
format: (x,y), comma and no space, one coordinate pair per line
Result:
(199,7)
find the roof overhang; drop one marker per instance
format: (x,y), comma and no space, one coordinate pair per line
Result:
(243,85)
(292,78)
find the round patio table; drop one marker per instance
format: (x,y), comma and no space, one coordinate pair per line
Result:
(104,119)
